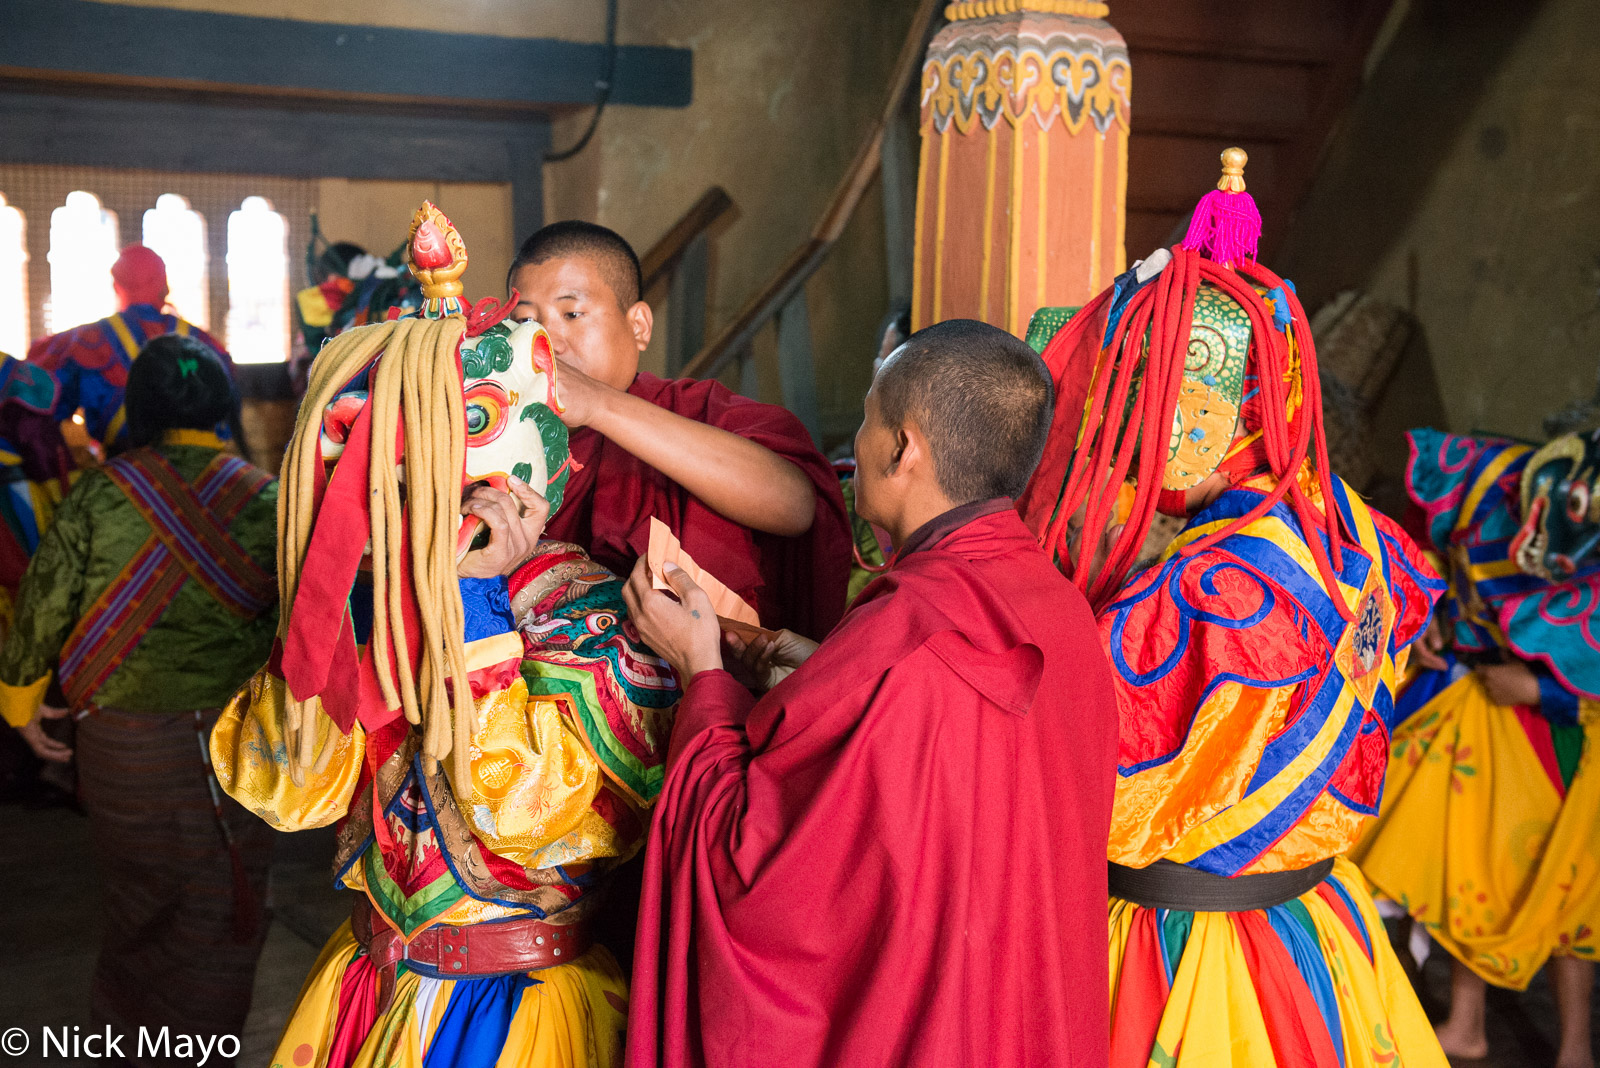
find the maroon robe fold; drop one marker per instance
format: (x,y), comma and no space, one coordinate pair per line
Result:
(796,582)
(896,857)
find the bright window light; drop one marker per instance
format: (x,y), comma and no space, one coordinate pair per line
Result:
(83,246)
(13,281)
(258,284)
(178,235)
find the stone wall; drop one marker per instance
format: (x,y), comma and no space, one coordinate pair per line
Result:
(1466,188)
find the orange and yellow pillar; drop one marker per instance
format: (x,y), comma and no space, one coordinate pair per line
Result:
(1023,177)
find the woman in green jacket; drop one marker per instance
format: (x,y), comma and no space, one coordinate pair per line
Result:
(151,598)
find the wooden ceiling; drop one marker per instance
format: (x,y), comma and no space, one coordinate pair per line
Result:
(1270,76)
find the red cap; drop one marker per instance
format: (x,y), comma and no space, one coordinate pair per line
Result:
(141,276)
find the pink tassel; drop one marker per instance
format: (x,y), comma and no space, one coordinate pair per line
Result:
(1226,225)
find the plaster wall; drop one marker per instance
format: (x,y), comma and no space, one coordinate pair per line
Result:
(783,95)
(1500,259)
(377,215)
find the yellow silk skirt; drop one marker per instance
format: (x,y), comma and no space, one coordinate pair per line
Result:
(1476,842)
(1312,982)
(573,1017)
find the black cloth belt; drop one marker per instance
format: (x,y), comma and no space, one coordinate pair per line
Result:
(1168,885)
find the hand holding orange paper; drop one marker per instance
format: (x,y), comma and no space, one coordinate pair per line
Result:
(732,611)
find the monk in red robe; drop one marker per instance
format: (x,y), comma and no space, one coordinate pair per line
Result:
(740,483)
(895,856)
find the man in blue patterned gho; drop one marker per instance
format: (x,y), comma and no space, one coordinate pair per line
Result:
(90,362)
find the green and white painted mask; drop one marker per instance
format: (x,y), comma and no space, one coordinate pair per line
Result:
(509,380)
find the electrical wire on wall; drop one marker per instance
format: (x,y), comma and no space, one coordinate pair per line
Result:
(602,88)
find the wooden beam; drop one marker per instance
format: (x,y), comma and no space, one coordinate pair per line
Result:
(900,200)
(1231,51)
(118,44)
(1288,29)
(525,156)
(187,136)
(796,370)
(1337,89)
(1187,93)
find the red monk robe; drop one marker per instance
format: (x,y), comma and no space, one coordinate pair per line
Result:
(896,857)
(796,582)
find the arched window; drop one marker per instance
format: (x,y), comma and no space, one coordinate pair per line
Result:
(178,236)
(258,284)
(83,246)
(13,281)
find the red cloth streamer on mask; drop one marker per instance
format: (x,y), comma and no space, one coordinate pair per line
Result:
(1114,408)
(488,312)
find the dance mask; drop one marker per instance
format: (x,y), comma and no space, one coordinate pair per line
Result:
(1560,508)
(508,377)
(1212,395)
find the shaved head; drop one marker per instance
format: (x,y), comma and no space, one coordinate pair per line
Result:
(612,256)
(982,398)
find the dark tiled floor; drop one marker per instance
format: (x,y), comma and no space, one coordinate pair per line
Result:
(50,928)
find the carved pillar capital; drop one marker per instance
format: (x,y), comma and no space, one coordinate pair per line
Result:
(978,9)
(1023,177)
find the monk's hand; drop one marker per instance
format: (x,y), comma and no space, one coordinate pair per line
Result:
(771,660)
(581,396)
(44,746)
(685,632)
(515,521)
(1510,684)
(1429,649)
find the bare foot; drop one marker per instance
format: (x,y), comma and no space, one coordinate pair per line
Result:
(1580,1057)
(1462,1043)
(1572,979)
(1464,1035)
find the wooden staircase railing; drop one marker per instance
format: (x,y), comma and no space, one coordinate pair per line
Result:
(682,261)
(887,146)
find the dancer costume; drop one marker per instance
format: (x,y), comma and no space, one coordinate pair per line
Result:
(1488,831)
(90,363)
(1255,663)
(35,471)
(475,833)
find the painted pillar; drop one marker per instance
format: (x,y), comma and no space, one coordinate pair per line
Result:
(1023,176)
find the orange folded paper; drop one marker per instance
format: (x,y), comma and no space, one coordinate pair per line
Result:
(733,613)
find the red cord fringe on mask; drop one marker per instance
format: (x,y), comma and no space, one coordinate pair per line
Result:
(1089,461)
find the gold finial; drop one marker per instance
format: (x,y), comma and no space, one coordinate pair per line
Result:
(1233,161)
(436,253)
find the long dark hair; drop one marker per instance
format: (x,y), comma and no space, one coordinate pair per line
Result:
(177,382)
